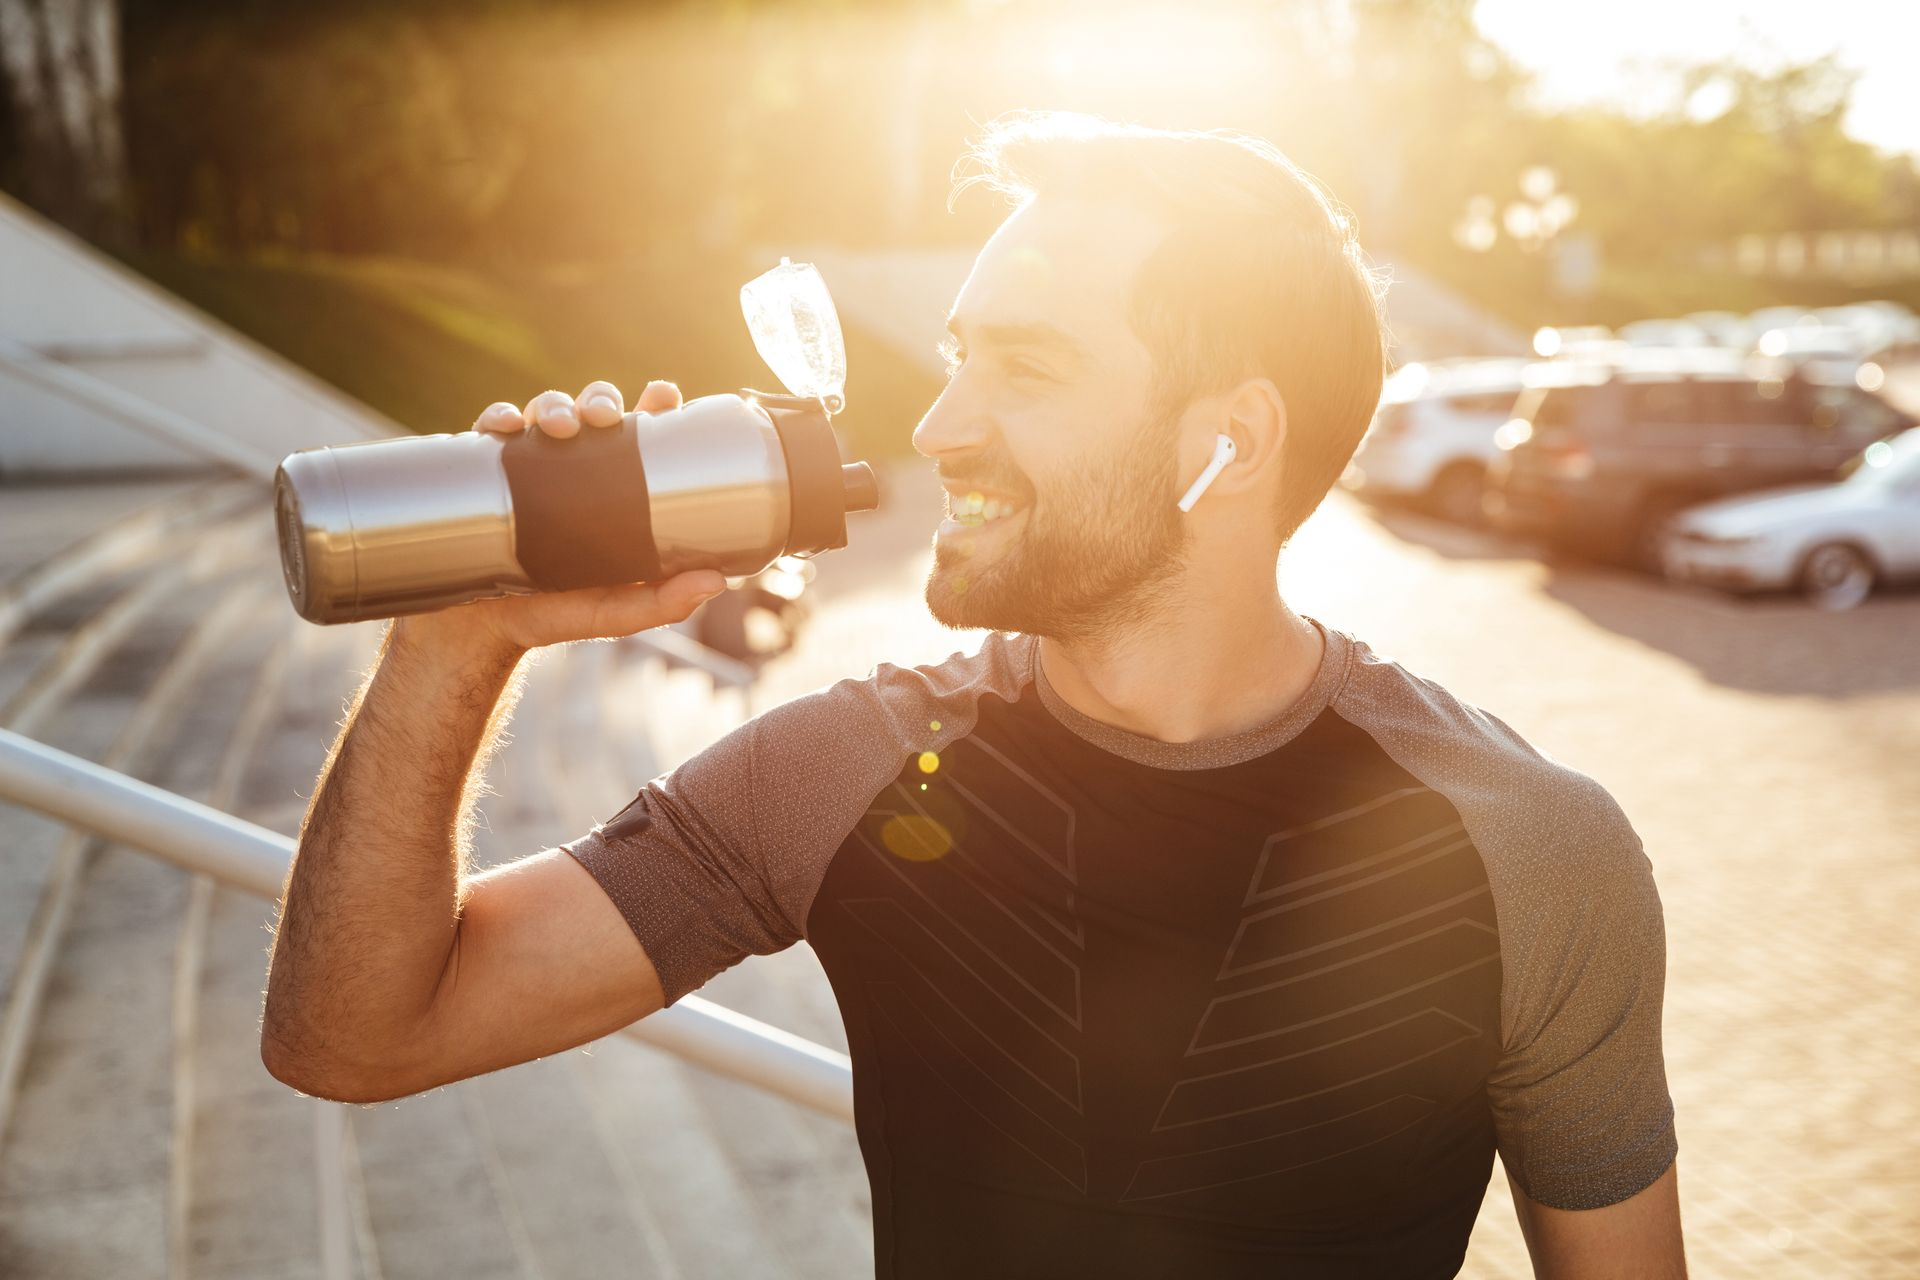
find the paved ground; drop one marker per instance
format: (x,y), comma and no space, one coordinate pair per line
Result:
(1766,754)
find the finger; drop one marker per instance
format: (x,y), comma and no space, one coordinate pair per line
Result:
(623,610)
(501,417)
(553,413)
(599,404)
(659,397)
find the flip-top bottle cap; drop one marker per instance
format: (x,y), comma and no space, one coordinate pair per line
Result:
(797,331)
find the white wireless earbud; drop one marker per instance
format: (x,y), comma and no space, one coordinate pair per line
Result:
(1223,451)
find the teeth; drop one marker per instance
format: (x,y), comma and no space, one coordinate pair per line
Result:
(976,508)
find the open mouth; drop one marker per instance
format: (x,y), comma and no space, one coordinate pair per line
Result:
(976,508)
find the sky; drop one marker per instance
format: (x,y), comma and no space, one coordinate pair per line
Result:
(1586,51)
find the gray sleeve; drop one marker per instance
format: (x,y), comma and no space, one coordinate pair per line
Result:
(721,857)
(1579,1094)
(680,862)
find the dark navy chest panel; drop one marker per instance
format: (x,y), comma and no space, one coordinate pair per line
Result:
(1264,996)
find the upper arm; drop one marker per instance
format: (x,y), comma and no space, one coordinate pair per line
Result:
(1634,1239)
(710,862)
(542,961)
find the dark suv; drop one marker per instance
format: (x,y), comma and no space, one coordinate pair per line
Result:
(1600,456)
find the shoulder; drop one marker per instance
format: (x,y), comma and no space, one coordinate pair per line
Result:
(1530,813)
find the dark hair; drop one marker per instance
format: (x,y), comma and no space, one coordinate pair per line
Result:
(1258,275)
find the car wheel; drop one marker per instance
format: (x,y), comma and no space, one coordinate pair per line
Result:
(1648,552)
(1836,576)
(1457,494)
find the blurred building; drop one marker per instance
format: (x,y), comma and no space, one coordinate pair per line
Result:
(103,372)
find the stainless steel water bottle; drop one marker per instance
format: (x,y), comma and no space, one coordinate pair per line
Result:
(728,482)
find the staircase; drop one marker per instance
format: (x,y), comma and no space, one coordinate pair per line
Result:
(143,625)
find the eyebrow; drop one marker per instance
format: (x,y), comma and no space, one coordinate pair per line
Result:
(1037,333)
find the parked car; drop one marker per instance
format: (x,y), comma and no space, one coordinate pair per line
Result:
(1832,542)
(1779,318)
(1600,456)
(1432,436)
(1831,351)
(1576,342)
(1725,328)
(1664,333)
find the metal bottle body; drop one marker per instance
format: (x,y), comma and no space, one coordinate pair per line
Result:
(387,527)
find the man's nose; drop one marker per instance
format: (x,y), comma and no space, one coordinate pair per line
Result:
(950,426)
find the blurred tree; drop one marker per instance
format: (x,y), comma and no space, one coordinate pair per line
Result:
(60,61)
(499,134)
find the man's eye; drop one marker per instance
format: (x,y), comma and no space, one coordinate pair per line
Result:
(1021,369)
(950,352)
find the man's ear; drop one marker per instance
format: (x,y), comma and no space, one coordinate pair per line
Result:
(1256,417)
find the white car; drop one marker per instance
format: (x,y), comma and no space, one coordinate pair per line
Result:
(1833,542)
(1432,436)
(1664,333)
(1724,327)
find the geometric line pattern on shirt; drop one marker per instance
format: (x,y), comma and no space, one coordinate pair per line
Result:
(1257,894)
(1262,929)
(1069,868)
(1182,1174)
(981,884)
(1383,927)
(1227,1010)
(1067,1160)
(1207,1098)
(878,913)
(1065,921)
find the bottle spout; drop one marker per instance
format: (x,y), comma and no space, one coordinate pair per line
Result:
(862,488)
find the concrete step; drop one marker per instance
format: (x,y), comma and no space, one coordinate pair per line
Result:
(41,520)
(38,864)
(92,1124)
(246,1150)
(244,1170)
(55,538)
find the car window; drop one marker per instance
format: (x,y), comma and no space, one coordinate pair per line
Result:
(1868,416)
(1661,403)
(1745,402)
(1555,407)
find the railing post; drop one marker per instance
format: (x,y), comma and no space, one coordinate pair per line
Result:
(330,1172)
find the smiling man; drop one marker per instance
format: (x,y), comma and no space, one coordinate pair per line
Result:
(1176,933)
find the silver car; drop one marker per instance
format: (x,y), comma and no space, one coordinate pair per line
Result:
(1833,542)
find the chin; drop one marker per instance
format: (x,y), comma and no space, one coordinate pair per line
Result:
(969,609)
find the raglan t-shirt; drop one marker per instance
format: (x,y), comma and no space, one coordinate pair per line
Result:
(1256,1005)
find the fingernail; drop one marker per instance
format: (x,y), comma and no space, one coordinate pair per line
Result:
(561,413)
(602,403)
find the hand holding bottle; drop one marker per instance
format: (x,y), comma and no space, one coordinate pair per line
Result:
(514,624)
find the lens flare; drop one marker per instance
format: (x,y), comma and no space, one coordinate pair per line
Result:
(916,838)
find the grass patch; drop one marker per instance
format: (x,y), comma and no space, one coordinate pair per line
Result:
(430,346)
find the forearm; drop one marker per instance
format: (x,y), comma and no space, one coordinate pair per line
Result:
(370,914)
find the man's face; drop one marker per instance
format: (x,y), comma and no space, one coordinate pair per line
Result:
(1060,475)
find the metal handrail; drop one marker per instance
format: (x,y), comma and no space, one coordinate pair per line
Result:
(675,646)
(252,858)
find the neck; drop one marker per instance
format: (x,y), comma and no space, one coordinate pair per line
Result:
(1212,663)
